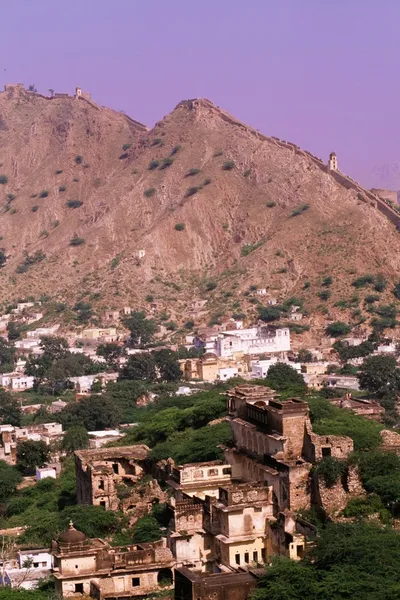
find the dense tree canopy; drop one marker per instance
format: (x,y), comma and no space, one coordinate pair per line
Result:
(355,561)
(93,413)
(141,329)
(31,454)
(53,368)
(111,352)
(282,377)
(10,411)
(140,367)
(380,375)
(76,438)
(10,477)
(7,356)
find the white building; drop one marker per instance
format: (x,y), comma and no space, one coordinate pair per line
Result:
(227,373)
(256,340)
(260,368)
(16,381)
(46,472)
(261,292)
(41,331)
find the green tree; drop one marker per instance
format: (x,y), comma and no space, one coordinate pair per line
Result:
(111,352)
(93,521)
(94,413)
(337,329)
(141,329)
(140,367)
(283,377)
(168,366)
(76,438)
(9,479)
(7,356)
(146,529)
(32,454)
(380,375)
(10,412)
(269,314)
(14,330)
(305,356)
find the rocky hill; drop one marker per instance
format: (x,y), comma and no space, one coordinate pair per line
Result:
(202,206)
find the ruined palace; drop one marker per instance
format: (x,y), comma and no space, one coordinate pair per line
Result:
(232,515)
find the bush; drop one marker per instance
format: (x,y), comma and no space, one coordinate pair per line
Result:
(10,197)
(126,147)
(269,314)
(270,204)
(121,156)
(34,208)
(210,285)
(58,172)
(44,233)
(192,172)
(3,179)
(166,162)
(247,173)
(78,159)
(76,179)
(43,194)
(327,281)
(55,224)
(62,188)
(337,329)
(30,260)
(217,153)
(362,281)
(157,142)
(330,470)
(207,181)
(249,248)
(74,203)
(325,295)
(228,166)
(180,226)
(371,298)
(153,164)
(175,150)
(299,210)
(149,192)
(76,241)
(380,283)
(191,191)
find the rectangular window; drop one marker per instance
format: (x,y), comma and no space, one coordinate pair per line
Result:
(246,557)
(101,485)
(103,503)
(135,581)
(326,452)
(79,588)
(226,471)
(44,564)
(35,565)
(116,468)
(237,559)
(255,556)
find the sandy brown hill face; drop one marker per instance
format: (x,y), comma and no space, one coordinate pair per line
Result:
(128,207)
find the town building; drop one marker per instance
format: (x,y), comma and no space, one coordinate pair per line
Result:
(92,567)
(100,472)
(261,339)
(16,382)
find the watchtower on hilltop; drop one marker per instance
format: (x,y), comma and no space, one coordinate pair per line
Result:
(332,163)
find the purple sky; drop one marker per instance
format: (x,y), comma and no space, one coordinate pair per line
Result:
(319,73)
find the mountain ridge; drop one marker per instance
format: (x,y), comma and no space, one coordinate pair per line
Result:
(239,219)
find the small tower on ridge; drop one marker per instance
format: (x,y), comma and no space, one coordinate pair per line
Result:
(332,163)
